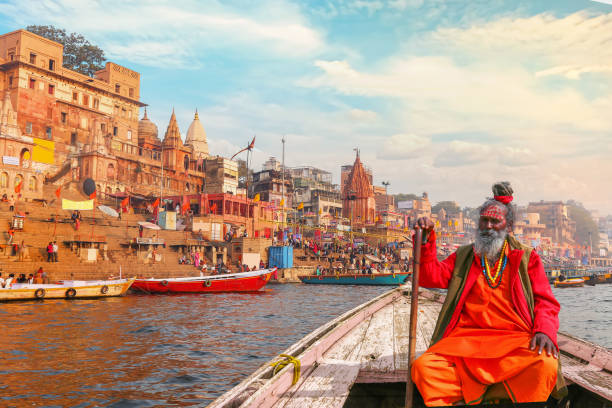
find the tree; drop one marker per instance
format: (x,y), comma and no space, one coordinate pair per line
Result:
(405,197)
(242,174)
(79,54)
(449,206)
(586,229)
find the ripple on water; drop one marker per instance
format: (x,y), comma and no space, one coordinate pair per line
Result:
(187,350)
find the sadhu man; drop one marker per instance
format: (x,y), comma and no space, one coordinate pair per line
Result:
(496,336)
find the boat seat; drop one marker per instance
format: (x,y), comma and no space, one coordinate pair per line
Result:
(327,386)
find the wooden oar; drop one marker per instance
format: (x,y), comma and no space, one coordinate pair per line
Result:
(414,305)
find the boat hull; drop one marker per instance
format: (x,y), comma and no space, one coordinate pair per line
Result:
(205,284)
(67,290)
(383,279)
(570,283)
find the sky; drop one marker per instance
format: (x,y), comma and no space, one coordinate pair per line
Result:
(439,96)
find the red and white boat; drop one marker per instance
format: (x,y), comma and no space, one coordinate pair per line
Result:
(233,282)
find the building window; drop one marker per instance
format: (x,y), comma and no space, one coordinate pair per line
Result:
(32,58)
(11,56)
(64,116)
(73,139)
(85,100)
(75,96)
(48,132)
(10,81)
(96,103)
(51,89)
(32,183)
(103,127)
(4,177)
(29,128)
(51,65)
(114,130)
(117,88)
(32,83)
(129,135)
(131,92)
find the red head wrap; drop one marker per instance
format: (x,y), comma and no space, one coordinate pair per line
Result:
(503,199)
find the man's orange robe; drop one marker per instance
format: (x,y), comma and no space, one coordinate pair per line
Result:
(489,345)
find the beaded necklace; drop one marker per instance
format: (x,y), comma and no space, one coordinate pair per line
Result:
(501,266)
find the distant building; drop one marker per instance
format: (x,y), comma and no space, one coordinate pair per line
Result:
(559,227)
(345,171)
(313,187)
(358,196)
(59,126)
(269,183)
(221,175)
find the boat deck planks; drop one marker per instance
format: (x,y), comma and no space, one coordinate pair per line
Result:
(374,350)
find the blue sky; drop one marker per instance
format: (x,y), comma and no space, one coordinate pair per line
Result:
(443,96)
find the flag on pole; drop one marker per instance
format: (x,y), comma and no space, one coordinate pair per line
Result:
(125,202)
(92,195)
(300,206)
(58,192)
(282,203)
(213,208)
(256,198)
(18,187)
(156,203)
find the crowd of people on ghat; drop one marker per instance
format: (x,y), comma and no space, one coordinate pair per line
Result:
(340,257)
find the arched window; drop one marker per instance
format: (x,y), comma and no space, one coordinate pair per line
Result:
(186,162)
(110,172)
(109,190)
(4,180)
(33,184)
(186,186)
(24,158)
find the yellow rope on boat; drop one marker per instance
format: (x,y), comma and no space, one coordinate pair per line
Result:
(280,364)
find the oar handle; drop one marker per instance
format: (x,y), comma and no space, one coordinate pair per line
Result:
(414,306)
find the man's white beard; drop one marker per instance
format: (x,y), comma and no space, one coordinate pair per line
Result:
(489,243)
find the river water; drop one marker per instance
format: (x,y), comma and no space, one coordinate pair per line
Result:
(185,350)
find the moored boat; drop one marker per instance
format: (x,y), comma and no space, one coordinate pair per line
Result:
(360,359)
(252,281)
(66,290)
(391,279)
(569,283)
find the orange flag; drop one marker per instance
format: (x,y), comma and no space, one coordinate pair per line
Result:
(18,187)
(186,206)
(156,203)
(213,208)
(125,202)
(92,195)
(58,191)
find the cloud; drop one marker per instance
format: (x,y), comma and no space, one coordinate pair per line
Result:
(511,156)
(146,33)
(402,147)
(362,115)
(459,153)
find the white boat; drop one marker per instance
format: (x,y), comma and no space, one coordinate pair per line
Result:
(362,356)
(68,289)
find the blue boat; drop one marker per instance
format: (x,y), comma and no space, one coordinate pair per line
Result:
(388,279)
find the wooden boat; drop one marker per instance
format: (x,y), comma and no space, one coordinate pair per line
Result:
(67,290)
(233,282)
(362,356)
(569,283)
(392,279)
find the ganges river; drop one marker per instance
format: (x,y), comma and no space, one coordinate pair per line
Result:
(185,350)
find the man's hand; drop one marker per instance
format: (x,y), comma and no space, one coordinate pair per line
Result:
(425,224)
(543,342)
